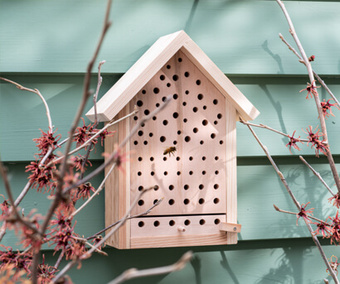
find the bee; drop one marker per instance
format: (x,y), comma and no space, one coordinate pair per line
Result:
(170,150)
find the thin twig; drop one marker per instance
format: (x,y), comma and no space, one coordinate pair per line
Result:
(128,218)
(99,189)
(95,96)
(135,273)
(35,91)
(316,174)
(323,84)
(296,214)
(271,129)
(17,216)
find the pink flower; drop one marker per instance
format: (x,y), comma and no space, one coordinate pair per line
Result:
(311,90)
(292,142)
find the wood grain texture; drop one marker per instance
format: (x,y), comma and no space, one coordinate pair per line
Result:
(117,199)
(231,168)
(249,47)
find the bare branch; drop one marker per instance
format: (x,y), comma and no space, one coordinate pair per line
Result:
(35,91)
(63,168)
(315,93)
(94,136)
(135,273)
(131,217)
(95,96)
(316,174)
(100,243)
(284,182)
(323,84)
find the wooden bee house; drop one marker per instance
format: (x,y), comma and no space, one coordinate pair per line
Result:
(197,181)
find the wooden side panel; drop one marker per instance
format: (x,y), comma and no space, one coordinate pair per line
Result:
(117,198)
(231,168)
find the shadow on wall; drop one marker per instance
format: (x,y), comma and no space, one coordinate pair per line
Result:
(289,269)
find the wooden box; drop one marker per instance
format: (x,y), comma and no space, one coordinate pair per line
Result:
(197,181)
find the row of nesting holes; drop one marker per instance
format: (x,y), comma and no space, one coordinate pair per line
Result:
(191,158)
(175,114)
(152,173)
(187,138)
(186,222)
(186,201)
(175,97)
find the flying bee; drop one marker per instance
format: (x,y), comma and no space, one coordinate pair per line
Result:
(170,150)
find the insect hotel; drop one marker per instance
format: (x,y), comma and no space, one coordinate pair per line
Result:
(188,149)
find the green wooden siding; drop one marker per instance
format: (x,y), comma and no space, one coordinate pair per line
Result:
(240,36)
(47,44)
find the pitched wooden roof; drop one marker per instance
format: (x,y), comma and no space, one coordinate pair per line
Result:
(152,61)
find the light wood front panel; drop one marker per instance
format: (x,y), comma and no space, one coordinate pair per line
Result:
(192,179)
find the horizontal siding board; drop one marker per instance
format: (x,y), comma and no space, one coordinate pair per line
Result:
(22,114)
(282,107)
(247,46)
(247,262)
(258,189)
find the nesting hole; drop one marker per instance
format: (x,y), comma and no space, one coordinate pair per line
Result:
(156,223)
(217,221)
(216,200)
(186,201)
(141,202)
(140,224)
(202,222)
(171,201)
(201,201)
(187,222)
(171,187)
(162,139)
(172,222)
